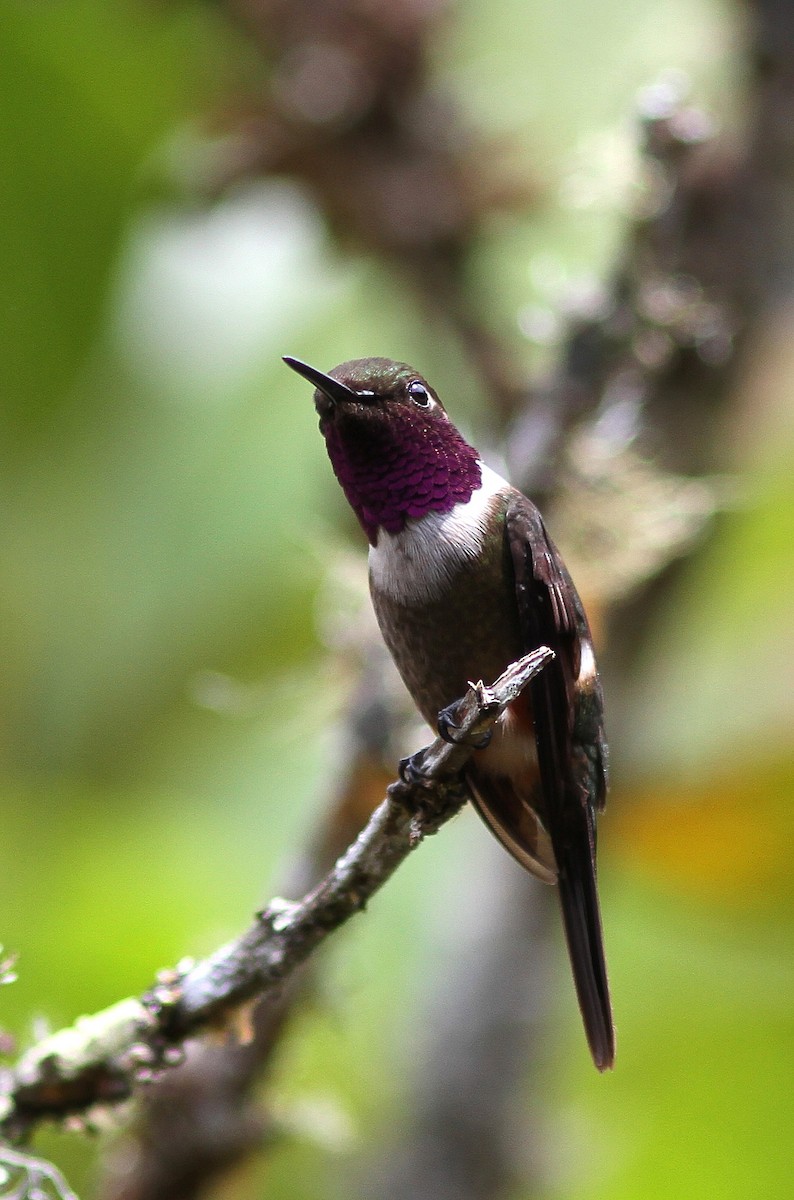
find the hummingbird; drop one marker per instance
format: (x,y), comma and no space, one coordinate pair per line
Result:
(464,580)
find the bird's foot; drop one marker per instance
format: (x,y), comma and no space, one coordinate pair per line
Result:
(450,731)
(412,770)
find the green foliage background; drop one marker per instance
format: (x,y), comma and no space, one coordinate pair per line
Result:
(166,710)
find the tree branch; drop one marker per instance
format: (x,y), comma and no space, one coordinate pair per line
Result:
(99,1059)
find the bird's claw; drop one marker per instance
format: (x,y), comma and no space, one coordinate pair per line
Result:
(411,770)
(450,731)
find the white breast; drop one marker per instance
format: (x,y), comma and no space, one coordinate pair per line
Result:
(417,564)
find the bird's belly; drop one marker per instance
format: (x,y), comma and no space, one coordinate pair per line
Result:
(470,632)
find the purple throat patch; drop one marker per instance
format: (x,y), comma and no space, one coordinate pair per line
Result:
(401,467)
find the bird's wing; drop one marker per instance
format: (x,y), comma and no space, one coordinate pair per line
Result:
(567,712)
(513,817)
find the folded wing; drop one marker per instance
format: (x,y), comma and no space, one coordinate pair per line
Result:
(568,721)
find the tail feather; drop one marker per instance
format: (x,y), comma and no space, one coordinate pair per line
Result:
(570,863)
(582,920)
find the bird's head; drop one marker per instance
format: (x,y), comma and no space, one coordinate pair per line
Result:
(392,446)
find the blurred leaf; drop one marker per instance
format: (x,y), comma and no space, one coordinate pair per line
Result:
(725,839)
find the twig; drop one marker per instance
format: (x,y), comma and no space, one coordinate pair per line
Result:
(663,320)
(23,1177)
(98,1060)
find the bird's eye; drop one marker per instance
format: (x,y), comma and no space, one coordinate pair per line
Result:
(419,394)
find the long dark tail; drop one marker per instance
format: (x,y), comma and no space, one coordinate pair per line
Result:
(582,920)
(567,710)
(517,827)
